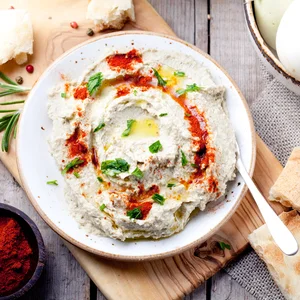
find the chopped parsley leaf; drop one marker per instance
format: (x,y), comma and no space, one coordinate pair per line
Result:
(187,115)
(224,246)
(126,132)
(76,175)
(135,213)
(184,160)
(179,74)
(138,173)
(189,88)
(195,166)
(63,95)
(52,182)
(163,115)
(134,92)
(100,126)
(94,83)
(102,207)
(74,163)
(155,147)
(114,167)
(170,185)
(159,199)
(160,80)
(100,179)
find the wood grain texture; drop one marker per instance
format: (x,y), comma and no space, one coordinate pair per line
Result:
(180,16)
(230,46)
(174,277)
(201,25)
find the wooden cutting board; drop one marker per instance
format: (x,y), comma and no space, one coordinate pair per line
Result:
(170,278)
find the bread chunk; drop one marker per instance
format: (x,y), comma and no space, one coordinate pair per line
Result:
(286,189)
(284,269)
(16,35)
(112,14)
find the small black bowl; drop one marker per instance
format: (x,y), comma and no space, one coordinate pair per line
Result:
(36,242)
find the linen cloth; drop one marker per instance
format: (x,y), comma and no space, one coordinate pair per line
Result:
(276,114)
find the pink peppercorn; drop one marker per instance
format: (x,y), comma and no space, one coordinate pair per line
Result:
(29,68)
(74,25)
(11,7)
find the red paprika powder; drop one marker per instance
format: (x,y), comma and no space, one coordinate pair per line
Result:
(15,256)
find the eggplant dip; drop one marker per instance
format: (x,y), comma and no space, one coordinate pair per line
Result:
(142,139)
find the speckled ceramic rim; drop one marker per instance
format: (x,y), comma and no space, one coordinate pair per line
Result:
(41,252)
(166,254)
(261,44)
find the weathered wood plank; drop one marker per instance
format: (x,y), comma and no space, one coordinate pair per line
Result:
(231,47)
(63,278)
(180,15)
(201,24)
(198,294)
(223,287)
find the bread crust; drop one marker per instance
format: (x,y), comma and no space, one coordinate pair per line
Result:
(285,270)
(286,189)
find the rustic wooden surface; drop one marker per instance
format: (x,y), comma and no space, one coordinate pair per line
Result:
(225,38)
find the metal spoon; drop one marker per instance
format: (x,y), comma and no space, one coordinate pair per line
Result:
(280,233)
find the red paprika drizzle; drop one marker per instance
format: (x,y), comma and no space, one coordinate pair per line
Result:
(80,93)
(122,91)
(136,199)
(124,61)
(77,148)
(75,145)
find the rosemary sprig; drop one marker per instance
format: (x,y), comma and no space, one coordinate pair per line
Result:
(9,125)
(7,79)
(9,89)
(12,102)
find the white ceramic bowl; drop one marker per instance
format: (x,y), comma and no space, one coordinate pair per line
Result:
(266,54)
(36,165)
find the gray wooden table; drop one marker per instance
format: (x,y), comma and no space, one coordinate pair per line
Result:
(215,26)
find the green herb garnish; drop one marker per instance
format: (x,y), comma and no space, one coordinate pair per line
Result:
(179,74)
(135,213)
(163,115)
(74,163)
(161,82)
(100,126)
(10,87)
(13,102)
(138,173)
(187,115)
(100,179)
(170,185)
(184,160)
(159,199)
(195,166)
(224,246)
(189,88)
(102,207)
(76,175)
(114,167)
(94,83)
(155,147)
(52,182)
(63,95)
(134,92)
(9,124)
(126,132)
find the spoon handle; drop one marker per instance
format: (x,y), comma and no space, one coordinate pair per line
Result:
(280,233)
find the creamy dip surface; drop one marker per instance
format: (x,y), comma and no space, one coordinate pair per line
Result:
(143,139)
